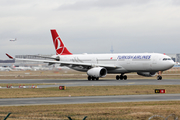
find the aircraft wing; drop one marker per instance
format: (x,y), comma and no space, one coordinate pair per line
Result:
(64,63)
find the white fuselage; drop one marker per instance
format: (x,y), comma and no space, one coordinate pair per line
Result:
(124,63)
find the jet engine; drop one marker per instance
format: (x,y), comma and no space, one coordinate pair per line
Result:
(147,74)
(97,72)
(56,57)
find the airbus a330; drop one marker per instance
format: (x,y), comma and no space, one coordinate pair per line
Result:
(99,65)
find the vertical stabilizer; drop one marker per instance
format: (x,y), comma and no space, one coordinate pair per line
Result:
(58,44)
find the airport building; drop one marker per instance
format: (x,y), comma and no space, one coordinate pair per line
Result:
(175,57)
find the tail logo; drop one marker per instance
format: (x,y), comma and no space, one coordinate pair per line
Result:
(58,45)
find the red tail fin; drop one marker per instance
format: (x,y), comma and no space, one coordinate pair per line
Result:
(58,44)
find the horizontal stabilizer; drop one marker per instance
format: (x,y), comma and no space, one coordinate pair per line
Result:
(9,56)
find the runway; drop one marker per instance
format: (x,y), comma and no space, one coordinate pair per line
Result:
(103,82)
(87,99)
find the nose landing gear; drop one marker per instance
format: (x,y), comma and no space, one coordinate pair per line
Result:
(159,77)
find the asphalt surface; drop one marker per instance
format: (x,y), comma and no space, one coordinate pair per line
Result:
(87,99)
(103,82)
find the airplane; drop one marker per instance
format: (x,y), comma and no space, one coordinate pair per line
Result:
(99,65)
(5,68)
(13,40)
(19,68)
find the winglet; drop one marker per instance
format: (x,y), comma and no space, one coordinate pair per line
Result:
(9,56)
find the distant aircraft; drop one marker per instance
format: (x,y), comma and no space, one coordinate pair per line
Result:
(13,40)
(99,65)
(19,68)
(5,69)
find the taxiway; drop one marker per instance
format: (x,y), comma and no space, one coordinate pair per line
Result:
(87,99)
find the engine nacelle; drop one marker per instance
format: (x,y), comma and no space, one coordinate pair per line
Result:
(56,57)
(147,74)
(97,72)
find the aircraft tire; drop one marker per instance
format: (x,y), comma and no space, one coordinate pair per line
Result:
(97,78)
(117,77)
(125,77)
(93,78)
(159,77)
(89,78)
(121,77)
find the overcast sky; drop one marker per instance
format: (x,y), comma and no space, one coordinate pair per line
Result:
(90,26)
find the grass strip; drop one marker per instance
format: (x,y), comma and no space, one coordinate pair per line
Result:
(97,111)
(24,84)
(87,91)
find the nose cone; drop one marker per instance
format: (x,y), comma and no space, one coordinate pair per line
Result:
(165,65)
(170,64)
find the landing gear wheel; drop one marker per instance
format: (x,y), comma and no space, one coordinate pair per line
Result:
(97,78)
(89,77)
(121,77)
(117,77)
(159,77)
(93,78)
(125,77)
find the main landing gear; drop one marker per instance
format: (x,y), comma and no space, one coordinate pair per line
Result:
(92,78)
(121,77)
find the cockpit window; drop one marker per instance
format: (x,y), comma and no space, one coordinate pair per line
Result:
(167,59)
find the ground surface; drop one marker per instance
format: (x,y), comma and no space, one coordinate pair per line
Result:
(123,111)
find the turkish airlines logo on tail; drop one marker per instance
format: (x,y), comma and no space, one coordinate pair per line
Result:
(59,46)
